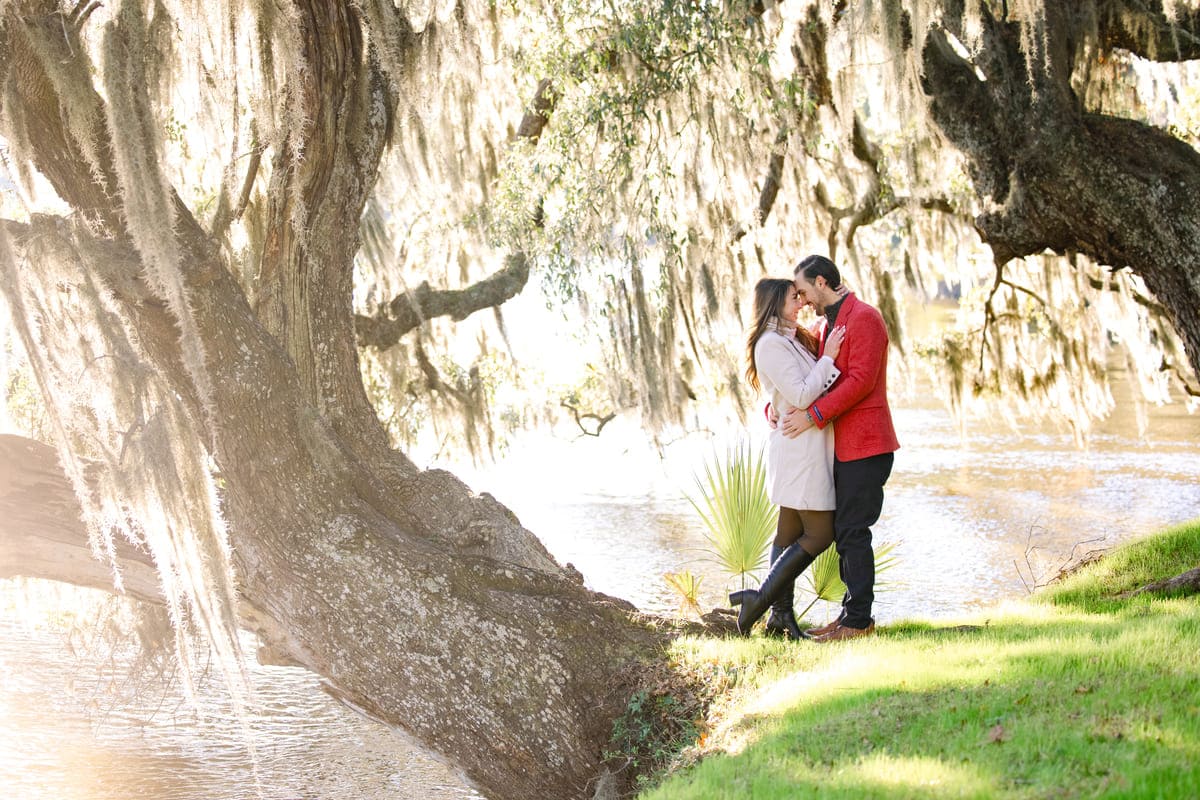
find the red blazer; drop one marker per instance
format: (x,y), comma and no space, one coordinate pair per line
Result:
(857,404)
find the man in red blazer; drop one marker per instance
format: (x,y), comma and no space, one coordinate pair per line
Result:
(864,437)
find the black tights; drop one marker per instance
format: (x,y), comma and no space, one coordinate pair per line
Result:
(812,529)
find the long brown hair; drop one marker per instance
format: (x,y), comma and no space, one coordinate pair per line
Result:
(770,295)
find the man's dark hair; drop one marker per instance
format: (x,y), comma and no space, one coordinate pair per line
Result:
(812,266)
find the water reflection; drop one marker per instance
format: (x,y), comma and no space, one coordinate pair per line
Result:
(977,518)
(966,513)
(74,726)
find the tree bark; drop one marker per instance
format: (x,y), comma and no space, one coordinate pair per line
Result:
(420,602)
(407,311)
(1053,177)
(321,179)
(510,673)
(1186,583)
(42,536)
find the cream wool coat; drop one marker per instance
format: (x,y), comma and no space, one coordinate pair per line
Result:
(800,470)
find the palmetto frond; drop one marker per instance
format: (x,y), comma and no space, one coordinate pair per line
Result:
(825,581)
(732,501)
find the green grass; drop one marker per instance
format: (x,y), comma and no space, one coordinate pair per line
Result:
(1072,693)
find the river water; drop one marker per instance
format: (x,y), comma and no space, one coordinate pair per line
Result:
(976,519)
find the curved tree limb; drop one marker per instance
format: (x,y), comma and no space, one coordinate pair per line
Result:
(42,535)
(600,421)
(32,39)
(410,310)
(1142,28)
(1184,383)
(63,115)
(1057,178)
(876,200)
(991,317)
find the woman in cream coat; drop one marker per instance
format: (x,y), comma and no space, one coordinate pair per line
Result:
(783,363)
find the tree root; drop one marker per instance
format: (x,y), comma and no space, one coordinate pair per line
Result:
(1182,585)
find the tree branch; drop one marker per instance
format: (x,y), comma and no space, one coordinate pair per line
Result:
(1142,28)
(1110,188)
(31,40)
(86,180)
(1187,583)
(877,200)
(991,317)
(770,189)
(1000,279)
(579,418)
(409,310)
(1188,389)
(42,535)
(226,215)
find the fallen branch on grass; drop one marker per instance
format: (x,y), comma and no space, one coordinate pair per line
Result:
(1186,583)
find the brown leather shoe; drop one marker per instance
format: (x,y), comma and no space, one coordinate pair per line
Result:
(843,632)
(828,627)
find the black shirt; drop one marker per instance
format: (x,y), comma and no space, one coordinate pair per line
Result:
(831,312)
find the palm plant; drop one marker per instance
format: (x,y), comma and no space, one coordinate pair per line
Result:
(739,518)
(825,581)
(687,587)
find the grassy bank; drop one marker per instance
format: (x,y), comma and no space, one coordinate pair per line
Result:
(1074,692)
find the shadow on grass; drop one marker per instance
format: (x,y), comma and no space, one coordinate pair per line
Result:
(1084,706)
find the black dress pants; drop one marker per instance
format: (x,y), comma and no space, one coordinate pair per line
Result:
(858,486)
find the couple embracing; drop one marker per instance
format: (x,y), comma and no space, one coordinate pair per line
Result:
(832,450)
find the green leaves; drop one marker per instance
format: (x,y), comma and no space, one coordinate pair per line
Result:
(732,502)
(825,582)
(824,579)
(645,91)
(740,521)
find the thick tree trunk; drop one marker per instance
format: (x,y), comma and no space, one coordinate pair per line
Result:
(426,605)
(513,675)
(1053,177)
(321,178)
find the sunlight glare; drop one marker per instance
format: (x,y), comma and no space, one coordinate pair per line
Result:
(908,774)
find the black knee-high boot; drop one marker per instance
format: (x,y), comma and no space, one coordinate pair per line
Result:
(791,562)
(782,621)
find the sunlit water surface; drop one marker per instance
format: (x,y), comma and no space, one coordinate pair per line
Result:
(976,520)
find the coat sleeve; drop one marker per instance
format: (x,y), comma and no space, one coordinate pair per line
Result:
(866,343)
(792,378)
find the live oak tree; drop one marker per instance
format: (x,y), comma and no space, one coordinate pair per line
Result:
(896,137)
(179,262)
(200,402)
